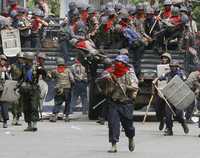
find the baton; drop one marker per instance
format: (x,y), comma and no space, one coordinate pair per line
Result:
(154,24)
(97,105)
(162,96)
(147,110)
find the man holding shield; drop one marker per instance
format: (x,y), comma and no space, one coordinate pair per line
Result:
(172,111)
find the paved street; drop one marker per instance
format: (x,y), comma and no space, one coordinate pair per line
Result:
(86,139)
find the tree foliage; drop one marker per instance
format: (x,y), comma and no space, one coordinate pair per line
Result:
(136,1)
(196,15)
(54,6)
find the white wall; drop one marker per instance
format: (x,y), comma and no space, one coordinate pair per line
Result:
(64,5)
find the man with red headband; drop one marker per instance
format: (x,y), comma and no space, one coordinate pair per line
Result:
(64,80)
(80,86)
(120,101)
(167,13)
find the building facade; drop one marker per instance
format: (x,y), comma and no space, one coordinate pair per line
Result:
(4,4)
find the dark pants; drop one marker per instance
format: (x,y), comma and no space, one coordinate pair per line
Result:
(169,115)
(4,111)
(198,107)
(30,104)
(103,110)
(160,108)
(189,111)
(60,98)
(120,112)
(79,90)
(17,109)
(26,42)
(136,53)
(64,49)
(36,42)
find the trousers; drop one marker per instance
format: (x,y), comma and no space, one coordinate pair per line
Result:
(169,116)
(79,89)
(120,112)
(4,111)
(65,96)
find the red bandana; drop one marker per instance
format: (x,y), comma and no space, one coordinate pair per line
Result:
(84,15)
(108,25)
(61,69)
(14,7)
(123,24)
(167,13)
(81,45)
(120,69)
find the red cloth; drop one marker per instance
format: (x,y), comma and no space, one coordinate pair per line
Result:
(120,69)
(61,69)
(123,24)
(176,20)
(109,69)
(167,14)
(84,16)
(81,45)
(14,7)
(108,25)
(35,25)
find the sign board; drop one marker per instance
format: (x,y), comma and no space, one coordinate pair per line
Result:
(161,70)
(178,93)
(9,94)
(11,42)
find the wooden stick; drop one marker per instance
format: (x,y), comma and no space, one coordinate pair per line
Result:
(154,23)
(97,105)
(147,110)
(163,97)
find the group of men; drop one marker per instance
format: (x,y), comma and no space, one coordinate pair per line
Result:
(167,113)
(134,27)
(29,25)
(117,26)
(114,26)
(119,86)
(71,83)
(26,74)
(28,71)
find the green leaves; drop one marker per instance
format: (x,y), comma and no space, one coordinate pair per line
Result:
(54,6)
(136,1)
(196,15)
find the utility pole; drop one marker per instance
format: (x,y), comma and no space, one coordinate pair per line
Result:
(4,4)
(25,3)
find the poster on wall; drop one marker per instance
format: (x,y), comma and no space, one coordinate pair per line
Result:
(11,42)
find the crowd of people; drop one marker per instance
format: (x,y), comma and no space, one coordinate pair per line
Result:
(115,26)
(131,29)
(28,71)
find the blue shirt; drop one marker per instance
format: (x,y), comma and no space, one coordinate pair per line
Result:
(168,76)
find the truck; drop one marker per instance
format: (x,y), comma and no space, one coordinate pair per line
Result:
(147,71)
